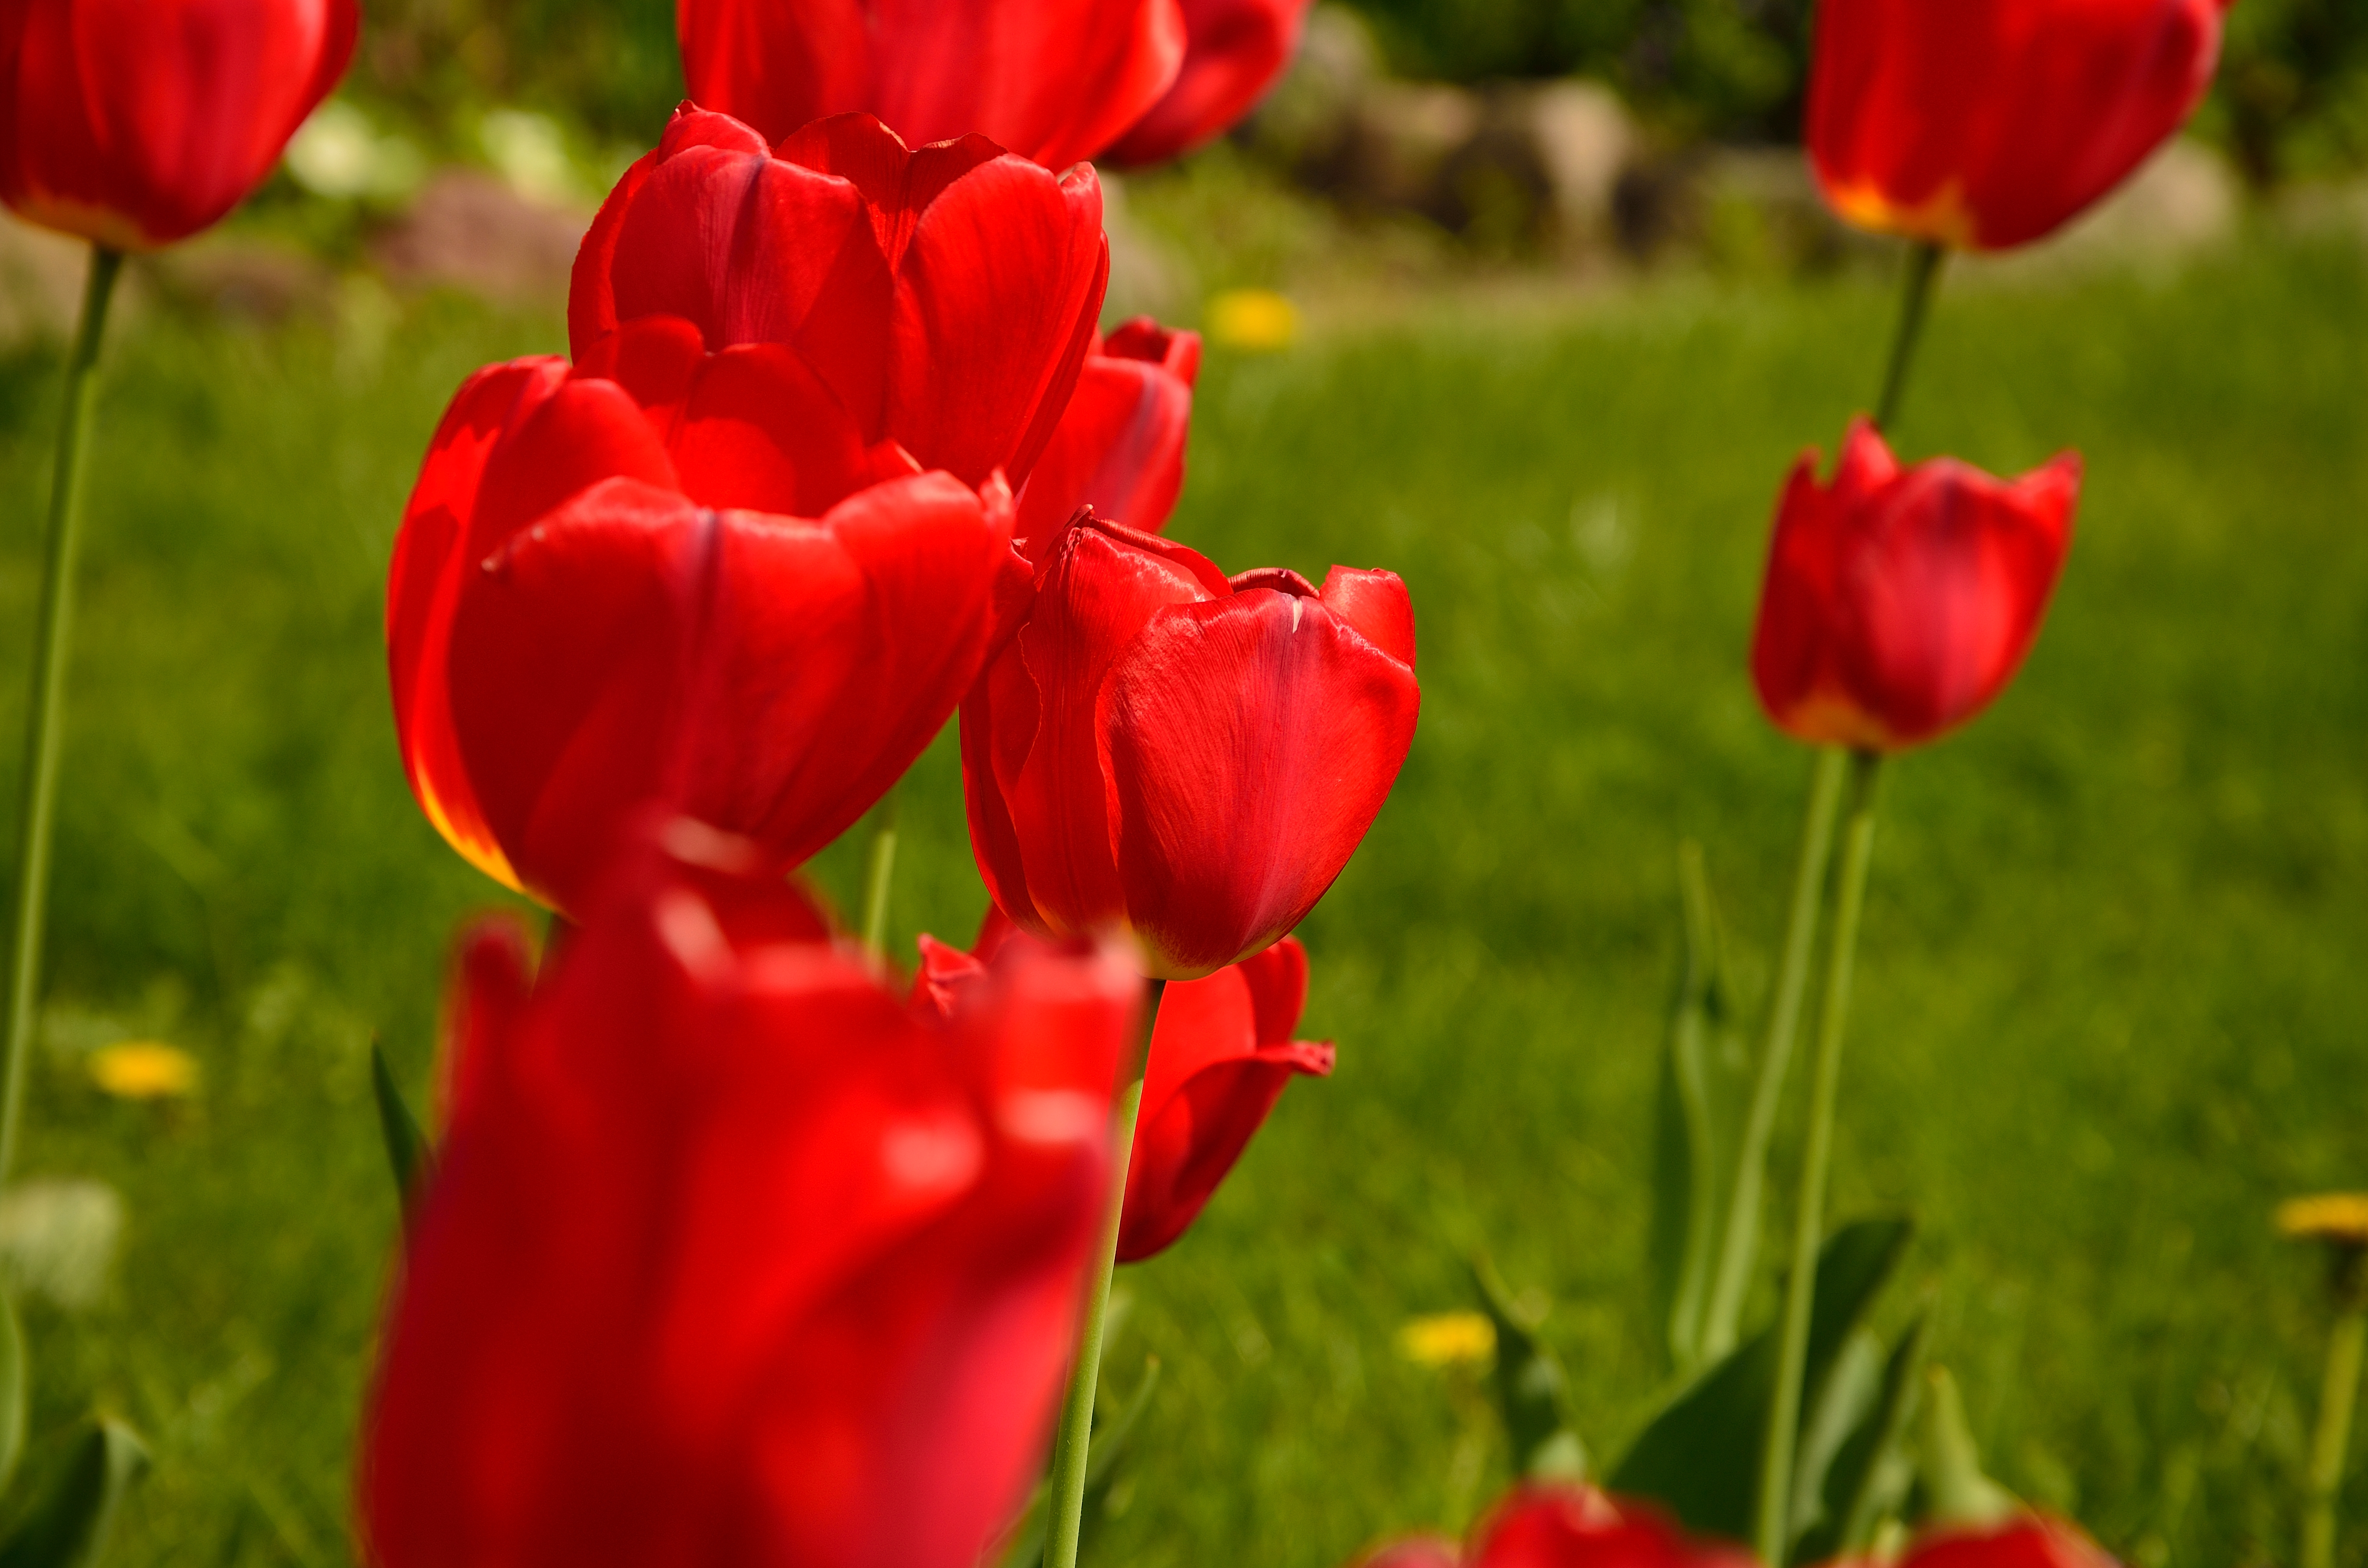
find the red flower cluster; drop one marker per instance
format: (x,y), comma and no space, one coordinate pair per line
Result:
(1052,80)
(134,124)
(731,1256)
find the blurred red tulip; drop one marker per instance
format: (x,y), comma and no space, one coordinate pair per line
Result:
(608,589)
(134,124)
(945,296)
(1234,51)
(730,1257)
(1120,446)
(1540,1526)
(1052,80)
(1899,602)
(2028,1541)
(1987,123)
(1221,1055)
(1184,757)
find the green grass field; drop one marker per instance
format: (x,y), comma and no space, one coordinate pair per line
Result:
(2111,1003)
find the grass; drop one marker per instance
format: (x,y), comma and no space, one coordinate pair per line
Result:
(2110,1007)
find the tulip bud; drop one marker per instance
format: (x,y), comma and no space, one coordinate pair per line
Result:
(1183,757)
(1120,446)
(1987,123)
(1553,1525)
(1899,602)
(134,124)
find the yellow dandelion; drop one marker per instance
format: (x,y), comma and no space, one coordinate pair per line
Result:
(1447,1339)
(1258,319)
(144,1070)
(2338,1217)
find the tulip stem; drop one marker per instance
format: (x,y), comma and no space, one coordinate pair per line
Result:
(1923,271)
(38,779)
(2339,1392)
(1739,1236)
(878,872)
(1064,1507)
(1773,1535)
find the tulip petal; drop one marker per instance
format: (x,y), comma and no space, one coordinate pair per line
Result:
(1250,743)
(739,56)
(1118,448)
(761,431)
(1235,49)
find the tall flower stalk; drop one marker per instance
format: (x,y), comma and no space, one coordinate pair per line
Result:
(45,717)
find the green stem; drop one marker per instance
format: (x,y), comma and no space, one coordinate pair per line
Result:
(1773,1535)
(1923,271)
(1740,1233)
(878,872)
(1065,1504)
(38,779)
(2337,1395)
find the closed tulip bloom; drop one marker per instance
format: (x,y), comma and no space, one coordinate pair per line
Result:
(1987,123)
(1120,446)
(945,295)
(2027,1542)
(1052,80)
(730,1257)
(672,575)
(1541,1525)
(1899,602)
(1221,1056)
(1184,757)
(134,124)
(1234,50)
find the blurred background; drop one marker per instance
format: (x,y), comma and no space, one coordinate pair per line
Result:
(1532,300)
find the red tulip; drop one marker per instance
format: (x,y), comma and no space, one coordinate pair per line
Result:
(732,1258)
(134,124)
(2027,1542)
(1187,758)
(1221,1055)
(1052,80)
(1899,601)
(1987,123)
(1234,51)
(1120,446)
(673,574)
(945,296)
(1566,1526)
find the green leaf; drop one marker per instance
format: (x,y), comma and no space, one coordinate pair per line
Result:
(1533,1395)
(1700,1456)
(15,1380)
(1956,1493)
(1685,1152)
(1870,1475)
(70,1527)
(408,1154)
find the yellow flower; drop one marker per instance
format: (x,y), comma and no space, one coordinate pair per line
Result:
(144,1070)
(1443,1339)
(1259,320)
(2338,1217)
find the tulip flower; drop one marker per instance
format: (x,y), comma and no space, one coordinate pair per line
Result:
(1987,123)
(1221,1055)
(673,574)
(1183,757)
(1120,446)
(729,1255)
(1541,1526)
(134,124)
(946,296)
(1899,602)
(2024,1542)
(1052,80)
(1233,52)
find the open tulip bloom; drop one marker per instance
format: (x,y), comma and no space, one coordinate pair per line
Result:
(730,1255)
(1983,124)
(1052,80)
(134,124)
(1179,755)
(1220,1056)
(1899,601)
